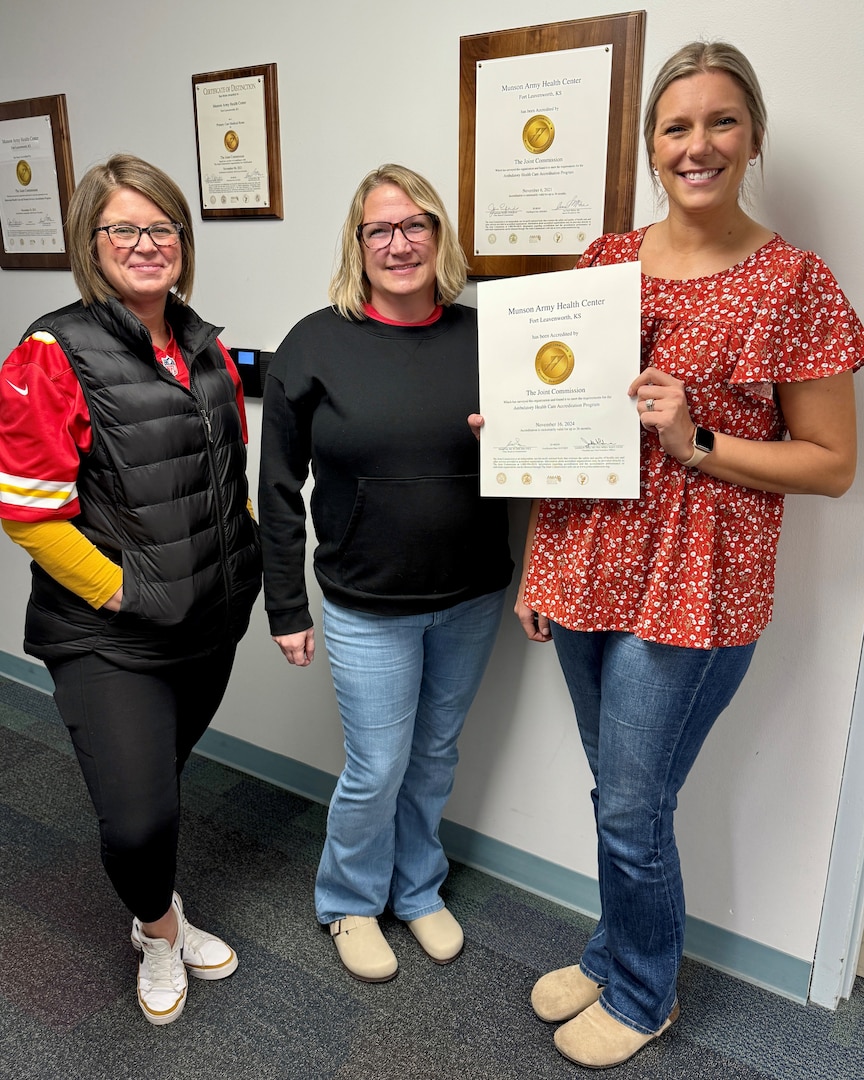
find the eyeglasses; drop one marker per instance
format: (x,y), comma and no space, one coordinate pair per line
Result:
(165,234)
(377,235)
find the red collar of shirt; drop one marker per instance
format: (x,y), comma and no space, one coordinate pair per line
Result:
(373,314)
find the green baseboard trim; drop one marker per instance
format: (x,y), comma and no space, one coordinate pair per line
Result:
(769,968)
(786,975)
(527,871)
(729,952)
(30,673)
(267,765)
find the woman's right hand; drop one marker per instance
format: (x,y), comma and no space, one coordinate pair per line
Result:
(298,649)
(536,626)
(475,422)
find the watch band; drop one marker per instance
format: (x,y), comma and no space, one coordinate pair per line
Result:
(696,457)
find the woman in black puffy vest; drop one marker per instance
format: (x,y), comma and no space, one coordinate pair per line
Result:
(122,449)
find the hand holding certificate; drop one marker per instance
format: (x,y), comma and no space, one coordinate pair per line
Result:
(557,355)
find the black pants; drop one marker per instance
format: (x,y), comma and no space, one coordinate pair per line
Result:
(133,732)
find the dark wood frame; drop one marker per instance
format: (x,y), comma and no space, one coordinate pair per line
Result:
(53,106)
(274,154)
(626,33)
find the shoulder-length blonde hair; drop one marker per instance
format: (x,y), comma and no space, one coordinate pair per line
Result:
(85,209)
(349,287)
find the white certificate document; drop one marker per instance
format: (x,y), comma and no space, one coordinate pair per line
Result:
(542,127)
(232,144)
(30,214)
(558,353)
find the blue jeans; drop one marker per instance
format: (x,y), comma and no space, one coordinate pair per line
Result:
(643,711)
(404,685)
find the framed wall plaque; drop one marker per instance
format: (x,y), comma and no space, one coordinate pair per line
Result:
(237,136)
(36,183)
(548,141)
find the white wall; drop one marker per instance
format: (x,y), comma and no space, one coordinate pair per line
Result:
(360,84)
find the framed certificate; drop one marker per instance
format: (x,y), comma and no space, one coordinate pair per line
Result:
(237,134)
(36,183)
(548,140)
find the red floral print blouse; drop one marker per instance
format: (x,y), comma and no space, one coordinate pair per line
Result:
(691,562)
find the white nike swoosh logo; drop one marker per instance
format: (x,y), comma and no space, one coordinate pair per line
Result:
(18,389)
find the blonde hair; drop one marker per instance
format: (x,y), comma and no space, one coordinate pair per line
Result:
(349,287)
(700,57)
(85,209)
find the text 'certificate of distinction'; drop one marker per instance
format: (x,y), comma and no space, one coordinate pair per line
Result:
(542,130)
(558,353)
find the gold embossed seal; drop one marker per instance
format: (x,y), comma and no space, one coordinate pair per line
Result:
(554,362)
(538,134)
(231,140)
(24,173)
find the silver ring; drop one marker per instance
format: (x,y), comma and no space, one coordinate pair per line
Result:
(649,404)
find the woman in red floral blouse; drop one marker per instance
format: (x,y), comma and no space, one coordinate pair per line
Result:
(655,604)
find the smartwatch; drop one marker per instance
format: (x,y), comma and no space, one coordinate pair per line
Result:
(703,444)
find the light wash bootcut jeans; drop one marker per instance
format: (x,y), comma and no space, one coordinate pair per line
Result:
(643,711)
(404,685)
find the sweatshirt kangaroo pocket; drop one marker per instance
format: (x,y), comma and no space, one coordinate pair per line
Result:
(411,537)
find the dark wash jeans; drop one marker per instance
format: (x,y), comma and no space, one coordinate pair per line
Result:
(643,711)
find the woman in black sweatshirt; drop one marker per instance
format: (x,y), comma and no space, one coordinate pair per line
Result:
(374,392)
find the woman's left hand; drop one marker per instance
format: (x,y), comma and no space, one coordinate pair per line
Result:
(662,405)
(113,602)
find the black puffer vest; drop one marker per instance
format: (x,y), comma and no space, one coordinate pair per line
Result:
(162,493)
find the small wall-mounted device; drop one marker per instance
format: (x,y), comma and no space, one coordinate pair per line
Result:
(252,365)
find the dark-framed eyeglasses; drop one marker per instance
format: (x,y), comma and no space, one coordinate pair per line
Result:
(165,234)
(416,229)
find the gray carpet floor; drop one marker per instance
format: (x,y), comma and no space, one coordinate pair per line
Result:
(248,856)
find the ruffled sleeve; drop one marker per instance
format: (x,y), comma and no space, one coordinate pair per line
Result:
(612,248)
(804,327)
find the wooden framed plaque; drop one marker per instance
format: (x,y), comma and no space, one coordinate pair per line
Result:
(237,138)
(36,183)
(548,141)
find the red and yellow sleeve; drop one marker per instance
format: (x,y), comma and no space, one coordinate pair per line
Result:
(44,427)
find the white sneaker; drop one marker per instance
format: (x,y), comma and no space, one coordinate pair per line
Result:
(205,955)
(161,975)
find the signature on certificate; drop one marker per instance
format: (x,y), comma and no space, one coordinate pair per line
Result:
(572,206)
(600,444)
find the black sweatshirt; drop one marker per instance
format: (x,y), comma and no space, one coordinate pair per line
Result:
(380,411)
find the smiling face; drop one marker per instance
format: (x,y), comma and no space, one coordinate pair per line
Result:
(401,276)
(703,139)
(143,275)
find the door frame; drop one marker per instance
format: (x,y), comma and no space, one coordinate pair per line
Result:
(842,924)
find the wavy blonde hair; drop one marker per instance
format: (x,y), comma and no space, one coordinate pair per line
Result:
(349,287)
(85,209)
